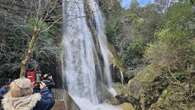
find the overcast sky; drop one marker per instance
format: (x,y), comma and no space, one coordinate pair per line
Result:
(126,3)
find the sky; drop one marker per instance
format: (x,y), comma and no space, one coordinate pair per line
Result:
(126,3)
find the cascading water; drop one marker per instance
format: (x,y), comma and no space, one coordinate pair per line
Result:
(99,21)
(79,60)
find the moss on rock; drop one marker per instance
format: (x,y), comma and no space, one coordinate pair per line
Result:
(127,106)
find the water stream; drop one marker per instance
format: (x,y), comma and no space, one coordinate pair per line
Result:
(79,61)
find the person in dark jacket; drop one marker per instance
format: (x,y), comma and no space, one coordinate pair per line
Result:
(21,96)
(3,91)
(48,80)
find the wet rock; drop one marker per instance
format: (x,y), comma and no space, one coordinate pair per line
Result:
(124,96)
(127,106)
(129,99)
(143,80)
(121,89)
(143,90)
(115,72)
(103,93)
(119,76)
(135,88)
(123,99)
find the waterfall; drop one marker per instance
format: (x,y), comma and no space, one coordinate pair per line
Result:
(79,55)
(100,27)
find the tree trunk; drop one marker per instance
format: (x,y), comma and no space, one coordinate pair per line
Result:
(29,51)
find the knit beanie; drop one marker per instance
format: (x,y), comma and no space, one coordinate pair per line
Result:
(23,83)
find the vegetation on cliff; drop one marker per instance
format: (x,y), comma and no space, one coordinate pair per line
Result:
(157,47)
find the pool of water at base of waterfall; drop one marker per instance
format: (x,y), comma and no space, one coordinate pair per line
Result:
(86,104)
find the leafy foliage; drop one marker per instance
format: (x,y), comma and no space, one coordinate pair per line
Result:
(46,51)
(15,34)
(132,54)
(130,32)
(174,45)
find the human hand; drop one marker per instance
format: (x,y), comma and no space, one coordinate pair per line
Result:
(42,85)
(50,77)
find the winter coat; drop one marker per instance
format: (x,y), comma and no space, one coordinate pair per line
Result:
(36,101)
(50,83)
(31,74)
(3,91)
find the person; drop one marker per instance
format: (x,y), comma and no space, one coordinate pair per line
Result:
(21,97)
(48,80)
(33,71)
(3,91)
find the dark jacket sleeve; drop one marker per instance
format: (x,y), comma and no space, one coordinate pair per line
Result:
(46,102)
(3,91)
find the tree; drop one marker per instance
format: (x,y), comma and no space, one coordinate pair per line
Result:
(132,30)
(134,5)
(174,48)
(41,15)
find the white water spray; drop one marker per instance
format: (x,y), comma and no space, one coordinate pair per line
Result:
(79,51)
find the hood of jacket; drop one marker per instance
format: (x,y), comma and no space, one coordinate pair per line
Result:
(20,103)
